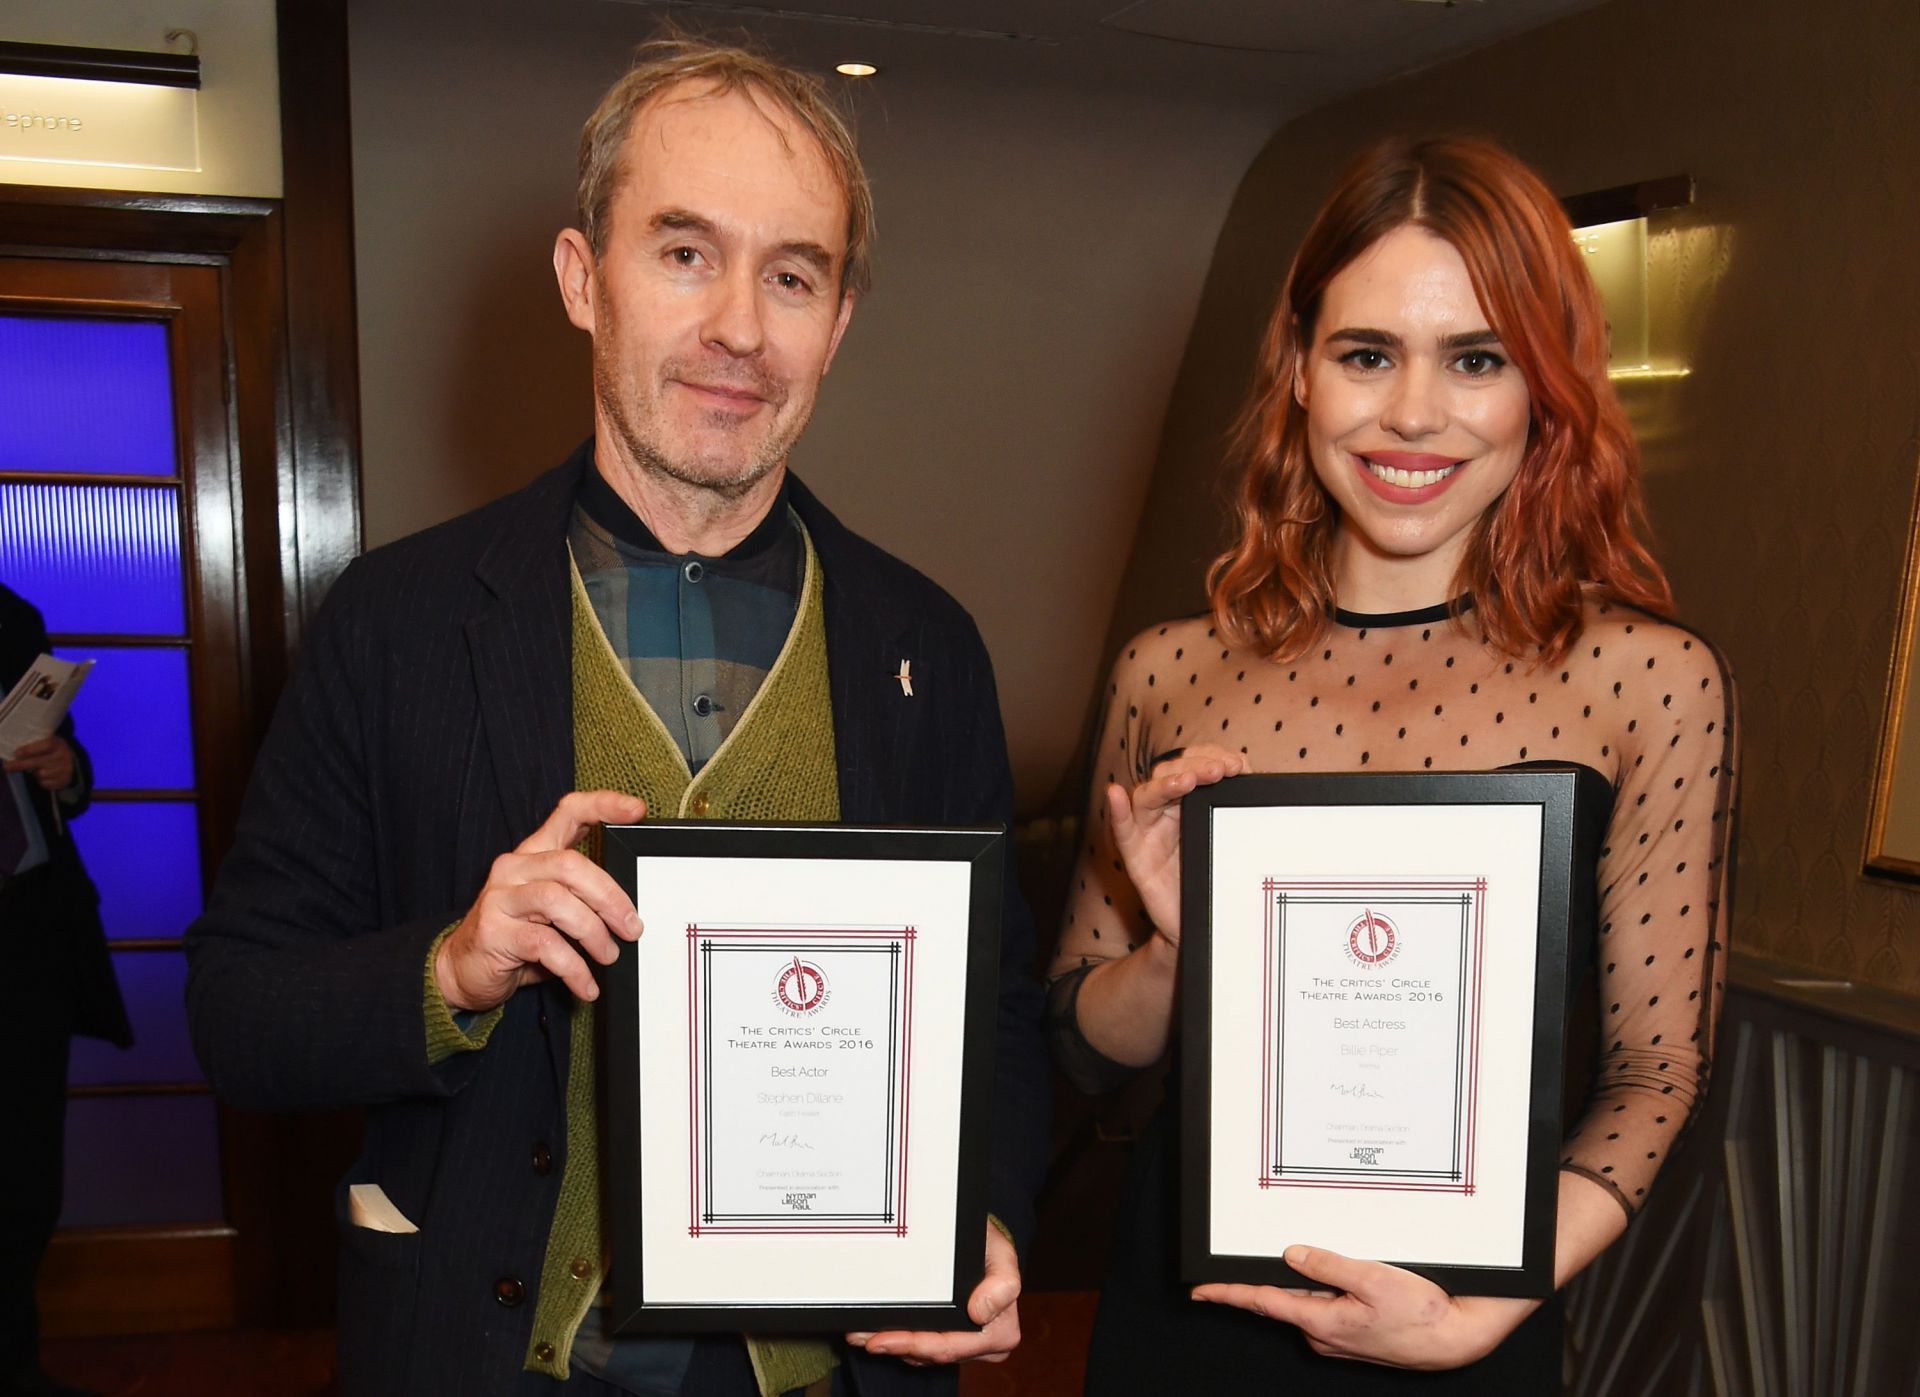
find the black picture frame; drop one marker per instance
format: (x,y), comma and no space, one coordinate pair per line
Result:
(1549,788)
(624,849)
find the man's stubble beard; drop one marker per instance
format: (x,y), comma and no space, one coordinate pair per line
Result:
(647,453)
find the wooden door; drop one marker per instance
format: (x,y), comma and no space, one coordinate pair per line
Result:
(119,520)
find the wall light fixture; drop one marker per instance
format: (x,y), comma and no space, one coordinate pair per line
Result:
(100,65)
(1610,229)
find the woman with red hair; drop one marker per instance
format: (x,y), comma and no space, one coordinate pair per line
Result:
(1439,565)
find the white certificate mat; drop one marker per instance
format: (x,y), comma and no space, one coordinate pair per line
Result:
(798,1078)
(1373,982)
(799,1046)
(1370,1052)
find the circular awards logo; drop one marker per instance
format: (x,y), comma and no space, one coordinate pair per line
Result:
(1372,940)
(801,988)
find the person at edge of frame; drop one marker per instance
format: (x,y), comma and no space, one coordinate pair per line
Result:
(1439,566)
(61,984)
(669,622)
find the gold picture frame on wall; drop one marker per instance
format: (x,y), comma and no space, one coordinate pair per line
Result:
(1893,823)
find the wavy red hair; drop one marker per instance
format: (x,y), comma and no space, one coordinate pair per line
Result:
(1574,517)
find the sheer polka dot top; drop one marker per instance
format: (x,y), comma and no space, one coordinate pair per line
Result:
(1646,703)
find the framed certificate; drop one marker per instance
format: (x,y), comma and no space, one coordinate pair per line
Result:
(1373,1005)
(798,1067)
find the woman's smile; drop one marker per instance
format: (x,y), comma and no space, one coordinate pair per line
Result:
(1407,477)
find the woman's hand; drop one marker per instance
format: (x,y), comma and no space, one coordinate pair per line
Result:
(1386,1315)
(1146,827)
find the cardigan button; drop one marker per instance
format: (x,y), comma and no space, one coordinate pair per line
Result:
(542,1158)
(699,806)
(509,1291)
(581,1269)
(543,1352)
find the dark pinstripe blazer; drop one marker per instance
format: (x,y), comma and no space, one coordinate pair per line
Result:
(427,730)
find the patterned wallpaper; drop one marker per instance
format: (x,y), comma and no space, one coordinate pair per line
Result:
(1781,472)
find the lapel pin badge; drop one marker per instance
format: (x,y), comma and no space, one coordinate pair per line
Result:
(905,676)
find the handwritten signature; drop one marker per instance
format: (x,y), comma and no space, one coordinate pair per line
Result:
(782,1140)
(1359,1090)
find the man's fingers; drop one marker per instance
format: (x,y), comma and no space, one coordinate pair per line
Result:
(552,952)
(581,876)
(989,1345)
(991,1298)
(555,905)
(539,898)
(578,812)
(1000,1286)
(589,882)
(994,1306)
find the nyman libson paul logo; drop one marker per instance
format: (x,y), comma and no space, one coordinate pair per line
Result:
(1372,940)
(801,988)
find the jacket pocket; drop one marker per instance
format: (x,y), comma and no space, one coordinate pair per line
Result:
(379,1279)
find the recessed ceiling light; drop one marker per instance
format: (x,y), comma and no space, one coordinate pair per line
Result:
(855,70)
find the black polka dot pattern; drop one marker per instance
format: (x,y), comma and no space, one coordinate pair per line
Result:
(1637,699)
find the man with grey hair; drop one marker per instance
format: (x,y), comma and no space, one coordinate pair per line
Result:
(669,622)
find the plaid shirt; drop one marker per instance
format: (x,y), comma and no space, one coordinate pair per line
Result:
(696,635)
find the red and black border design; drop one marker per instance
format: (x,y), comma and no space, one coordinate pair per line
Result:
(1278,1169)
(1549,789)
(706,1215)
(641,1182)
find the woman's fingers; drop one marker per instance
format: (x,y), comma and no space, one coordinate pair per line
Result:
(1126,829)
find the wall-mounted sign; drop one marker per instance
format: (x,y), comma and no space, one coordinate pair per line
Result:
(75,121)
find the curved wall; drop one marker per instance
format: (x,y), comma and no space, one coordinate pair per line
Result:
(1781,473)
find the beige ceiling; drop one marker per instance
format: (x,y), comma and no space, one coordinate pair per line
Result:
(1284,56)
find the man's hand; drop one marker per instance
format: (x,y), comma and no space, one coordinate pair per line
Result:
(1146,827)
(541,902)
(48,761)
(994,1306)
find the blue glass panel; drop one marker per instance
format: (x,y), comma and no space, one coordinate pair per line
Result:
(139,1159)
(95,557)
(154,985)
(145,859)
(132,717)
(85,395)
